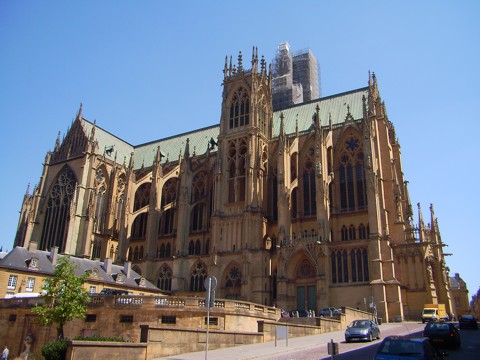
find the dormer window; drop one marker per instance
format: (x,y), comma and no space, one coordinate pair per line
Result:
(32,263)
(94,272)
(142,282)
(119,278)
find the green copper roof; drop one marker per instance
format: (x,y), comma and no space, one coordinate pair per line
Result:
(335,106)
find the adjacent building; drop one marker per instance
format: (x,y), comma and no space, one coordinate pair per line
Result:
(23,271)
(301,208)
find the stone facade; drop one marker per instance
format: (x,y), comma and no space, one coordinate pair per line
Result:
(301,209)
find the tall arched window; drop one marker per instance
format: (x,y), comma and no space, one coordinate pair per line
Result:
(309,192)
(57,212)
(161,253)
(198,247)
(164,280)
(169,192)
(239,109)
(197,217)
(191,248)
(362,233)
(351,233)
(353,191)
(233,283)
(294,209)
(232,173)
(139,226)
(344,233)
(339,263)
(168,250)
(97,249)
(100,209)
(293,166)
(237,156)
(168,204)
(198,276)
(199,187)
(142,196)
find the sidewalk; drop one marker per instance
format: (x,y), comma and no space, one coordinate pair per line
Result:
(268,350)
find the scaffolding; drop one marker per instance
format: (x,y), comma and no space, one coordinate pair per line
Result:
(295,77)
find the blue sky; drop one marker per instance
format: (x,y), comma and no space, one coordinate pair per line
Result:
(145,70)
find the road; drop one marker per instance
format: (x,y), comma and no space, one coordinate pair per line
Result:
(470,349)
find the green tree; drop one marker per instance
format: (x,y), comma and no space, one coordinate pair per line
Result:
(65,297)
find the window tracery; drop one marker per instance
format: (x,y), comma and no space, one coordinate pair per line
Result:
(233,283)
(198,276)
(305,270)
(239,109)
(57,212)
(142,196)
(353,193)
(164,280)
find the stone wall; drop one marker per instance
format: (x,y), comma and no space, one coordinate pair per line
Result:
(122,316)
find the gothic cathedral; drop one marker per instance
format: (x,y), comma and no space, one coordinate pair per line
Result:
(301,208)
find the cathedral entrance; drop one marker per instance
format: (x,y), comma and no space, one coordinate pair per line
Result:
(306,297)
(306,286)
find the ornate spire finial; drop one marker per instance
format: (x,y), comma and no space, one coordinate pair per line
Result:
(79,114)
(57,142)
(187,149)
(240,65)
(225,68)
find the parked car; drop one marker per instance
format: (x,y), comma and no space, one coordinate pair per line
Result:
(443,333)
(467,322)
(299,313)
(362,330)
(412,348)
(329,311)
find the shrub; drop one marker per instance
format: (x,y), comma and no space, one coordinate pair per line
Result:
(56,350)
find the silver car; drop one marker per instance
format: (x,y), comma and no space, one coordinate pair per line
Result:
(362,330)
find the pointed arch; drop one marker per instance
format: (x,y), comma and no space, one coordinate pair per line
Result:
(305,269)
(57,210)
(232,281)
(142,196)
(239,108)
(139,226)
(309,186)
(197,276)
(164,278)
(351,172)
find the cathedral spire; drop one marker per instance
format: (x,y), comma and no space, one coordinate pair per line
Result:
(79,114)
(57,142)
(225,68)
(421,224)
(433,221)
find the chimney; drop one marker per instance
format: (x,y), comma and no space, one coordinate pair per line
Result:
(54,255)
(127,269)
(107,264)
(32,246)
